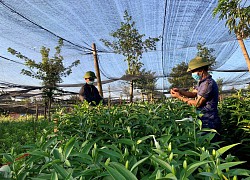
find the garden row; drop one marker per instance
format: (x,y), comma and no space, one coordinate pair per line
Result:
(136,141)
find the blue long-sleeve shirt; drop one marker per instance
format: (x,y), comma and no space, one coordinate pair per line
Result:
(208,89)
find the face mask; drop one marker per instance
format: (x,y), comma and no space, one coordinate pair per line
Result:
(196,76)
(90,82)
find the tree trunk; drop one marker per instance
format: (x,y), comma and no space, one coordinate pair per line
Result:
(131,92)
(45,109)
(152,97)
(148,98)
(49,108)
(244,51)
(36,111)
(35,121)
(142,97)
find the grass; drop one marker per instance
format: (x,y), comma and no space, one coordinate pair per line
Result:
(16,132)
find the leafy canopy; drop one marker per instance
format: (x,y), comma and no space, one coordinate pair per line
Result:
(206,53)
(147,82)
(237,16)
(179,77)
(49,70)
(129,42)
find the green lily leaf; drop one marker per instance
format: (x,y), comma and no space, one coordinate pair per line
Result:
(192,167)
(68,147)
(240,172)
(48,143)
(139,162)
(229,164)
(162,163)
(171,176)
(86,146)
(40,153)
(204,155)
(122,170)
(49,164)
(85,158)
(114,173)
(89,172)
(220,151)
(58,154)
(54,176)
(8,158)
(144,138)
(65,174)
(110,153)
(210,175)
(126,141)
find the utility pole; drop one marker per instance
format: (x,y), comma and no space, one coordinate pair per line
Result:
(99,82)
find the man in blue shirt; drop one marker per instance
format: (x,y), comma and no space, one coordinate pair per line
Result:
(206,93)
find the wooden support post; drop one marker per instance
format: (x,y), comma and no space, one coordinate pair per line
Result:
(99,82)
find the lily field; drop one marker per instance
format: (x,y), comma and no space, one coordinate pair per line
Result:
(145,141)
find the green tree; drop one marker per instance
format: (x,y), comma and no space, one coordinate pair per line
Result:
(50,70)
(220,84)
(131,44)
(179,77)
(206,53)
(146,83)
(125,91)
(238,21)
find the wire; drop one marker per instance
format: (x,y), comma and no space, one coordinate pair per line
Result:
(100,68)
(11,60)
(181,48)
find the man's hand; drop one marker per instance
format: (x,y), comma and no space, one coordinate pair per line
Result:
(81,97)
(175,93)
(175,89)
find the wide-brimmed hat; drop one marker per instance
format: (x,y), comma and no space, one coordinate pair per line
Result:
(89,74)
(197,62)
